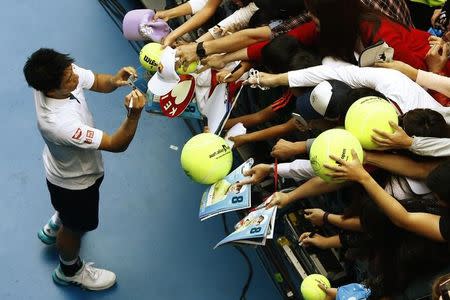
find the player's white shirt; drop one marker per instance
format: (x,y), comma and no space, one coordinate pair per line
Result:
(70,156)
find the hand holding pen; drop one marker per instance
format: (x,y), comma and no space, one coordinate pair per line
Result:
(135,102)
(235,74)
(311,239)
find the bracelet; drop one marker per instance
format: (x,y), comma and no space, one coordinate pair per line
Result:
(325,218)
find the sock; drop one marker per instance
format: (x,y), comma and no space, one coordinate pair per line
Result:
(70,268)
(55,219)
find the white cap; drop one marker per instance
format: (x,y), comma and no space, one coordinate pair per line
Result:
(166,78)
(321,96)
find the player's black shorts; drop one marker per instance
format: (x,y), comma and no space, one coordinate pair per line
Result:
(78,209)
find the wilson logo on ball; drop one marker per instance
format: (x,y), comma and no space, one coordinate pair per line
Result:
(149,60)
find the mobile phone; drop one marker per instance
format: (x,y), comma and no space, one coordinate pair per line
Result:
(131,80)
(300,119)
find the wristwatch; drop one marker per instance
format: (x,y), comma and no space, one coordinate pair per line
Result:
(201,53)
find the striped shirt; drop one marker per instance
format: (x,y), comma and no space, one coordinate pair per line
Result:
(397,10)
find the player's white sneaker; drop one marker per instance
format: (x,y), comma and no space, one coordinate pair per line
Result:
(87,277)
(48,232)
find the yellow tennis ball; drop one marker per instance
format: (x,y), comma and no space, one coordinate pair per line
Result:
(337,142)
(369,113)
(310,289)
(150,56)
(206,158)
(190,69)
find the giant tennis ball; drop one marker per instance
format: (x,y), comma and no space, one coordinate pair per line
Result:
(206,158)
(337,142)
(190,69)
(310,289)
(366,114)
(150,56)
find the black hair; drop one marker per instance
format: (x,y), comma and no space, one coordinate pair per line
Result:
(285,53)
(425,122)
(245,2)
(280,9)
(340,25)
(304,58)
(260,18)
(44,69)
(358,194)
(437,181)
(396,256)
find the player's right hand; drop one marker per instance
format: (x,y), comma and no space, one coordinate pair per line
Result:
(137,101)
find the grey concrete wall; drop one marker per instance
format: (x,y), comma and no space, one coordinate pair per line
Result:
(154,4)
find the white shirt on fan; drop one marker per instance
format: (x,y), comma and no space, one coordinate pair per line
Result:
(70,156)
(301,170)
(407,94)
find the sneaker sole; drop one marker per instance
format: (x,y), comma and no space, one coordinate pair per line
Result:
(45,238)
(59,281)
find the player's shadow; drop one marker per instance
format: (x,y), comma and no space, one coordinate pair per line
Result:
(50,254)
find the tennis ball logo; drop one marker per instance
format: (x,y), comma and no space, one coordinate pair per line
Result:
(370,113)
(314,162)
(149,60)
(206,158)
(310,289)
(150,56)
(337,142)
(224,150)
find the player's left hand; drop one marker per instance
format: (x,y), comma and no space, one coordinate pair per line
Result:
(121,77)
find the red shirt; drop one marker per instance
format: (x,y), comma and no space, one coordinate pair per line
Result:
(410,45)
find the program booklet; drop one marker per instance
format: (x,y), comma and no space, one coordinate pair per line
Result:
(225,195)
(219,106)
(255,228)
